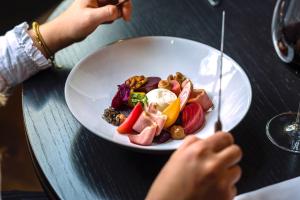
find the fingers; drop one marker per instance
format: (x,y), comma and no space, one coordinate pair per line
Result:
(105,13)
(126,10)
(231,177)
(232,192)
(233,174)
(106,2)
(188,141)
(110,13)
(219,141)
(230,156)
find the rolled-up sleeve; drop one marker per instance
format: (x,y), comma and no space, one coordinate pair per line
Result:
(19,58)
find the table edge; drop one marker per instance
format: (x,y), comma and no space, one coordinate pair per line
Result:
(49,190)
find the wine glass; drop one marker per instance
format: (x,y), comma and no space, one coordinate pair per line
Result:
(284,129)
(214,2)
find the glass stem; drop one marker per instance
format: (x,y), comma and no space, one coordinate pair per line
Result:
(298,116)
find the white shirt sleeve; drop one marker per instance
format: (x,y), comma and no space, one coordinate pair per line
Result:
(19,58)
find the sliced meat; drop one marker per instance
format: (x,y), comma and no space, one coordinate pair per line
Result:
(159,120)
(148,125)
(200,96)
(145,138)
(176,88)
(142,122)
(152,108)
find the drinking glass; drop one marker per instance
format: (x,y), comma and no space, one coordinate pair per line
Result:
(284,129)
(214,2)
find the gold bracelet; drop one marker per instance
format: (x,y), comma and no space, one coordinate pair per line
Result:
(39,39)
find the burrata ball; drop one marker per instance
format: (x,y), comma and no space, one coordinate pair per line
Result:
(161,97)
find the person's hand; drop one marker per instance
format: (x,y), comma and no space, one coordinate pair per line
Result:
(200,169)
(81,19)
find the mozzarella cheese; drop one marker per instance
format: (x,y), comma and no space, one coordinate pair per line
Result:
(161,97)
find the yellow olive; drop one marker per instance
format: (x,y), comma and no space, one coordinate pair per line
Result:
(177,132)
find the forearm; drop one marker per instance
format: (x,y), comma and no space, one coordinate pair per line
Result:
(53,35)
(24,52)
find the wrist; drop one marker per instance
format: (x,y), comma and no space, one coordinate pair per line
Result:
(32,35)
(54,36)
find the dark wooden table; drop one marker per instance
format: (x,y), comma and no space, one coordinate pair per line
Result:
(79,165)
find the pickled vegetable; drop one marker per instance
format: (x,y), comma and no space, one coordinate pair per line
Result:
(136,97)
(193,117)
(177,132)
(152,83)
(163,137)
(126,126)
(172,112)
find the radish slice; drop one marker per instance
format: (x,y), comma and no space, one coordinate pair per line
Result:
(185,94)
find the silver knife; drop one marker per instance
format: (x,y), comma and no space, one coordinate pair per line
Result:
(218,124)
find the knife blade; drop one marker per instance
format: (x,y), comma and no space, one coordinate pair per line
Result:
(218,123)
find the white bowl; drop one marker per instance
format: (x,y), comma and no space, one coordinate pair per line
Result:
(93,82)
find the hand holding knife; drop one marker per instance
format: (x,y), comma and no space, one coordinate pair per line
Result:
(116,3)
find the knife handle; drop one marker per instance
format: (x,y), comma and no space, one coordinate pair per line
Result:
(218,126)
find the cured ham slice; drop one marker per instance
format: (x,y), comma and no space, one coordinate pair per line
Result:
(175,87)
(147,119)
(145,138)
(159,120)
(142,122)
(201,97)
(148,125)
(152,108)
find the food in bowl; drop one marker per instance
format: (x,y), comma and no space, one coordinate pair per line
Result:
(159,110)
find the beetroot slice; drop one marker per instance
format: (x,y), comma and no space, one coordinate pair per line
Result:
(193,117)
(152,83)
(163,137)
(121,97)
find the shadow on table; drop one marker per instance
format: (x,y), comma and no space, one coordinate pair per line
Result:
(111,171)
(262,160)
(294,68)
(44,87)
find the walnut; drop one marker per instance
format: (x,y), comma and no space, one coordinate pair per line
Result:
(121,118)
(136,82)
(164,84)
(179,77)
